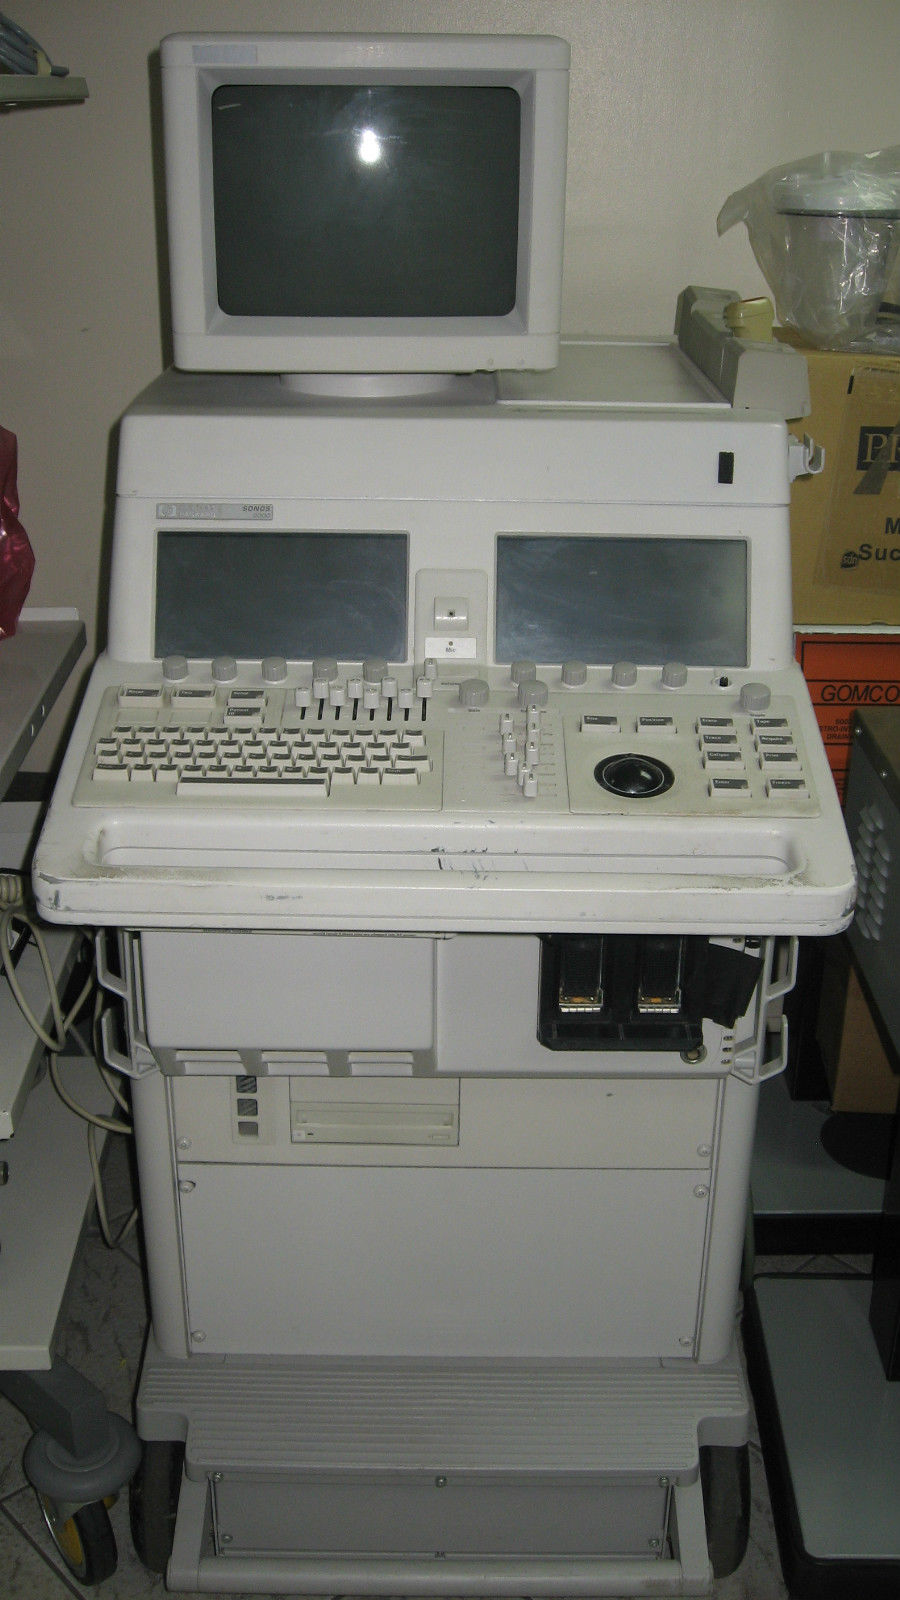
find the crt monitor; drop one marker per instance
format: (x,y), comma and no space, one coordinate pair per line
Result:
(343,203)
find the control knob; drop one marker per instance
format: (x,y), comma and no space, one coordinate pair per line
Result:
(673,675)
(523,671)
(325,667)
(174,668)
(533,693)
(573,674)
(324,672)
(224,669)
(374,670)
(624,674)
(755,697)
(274,669)
(474,692)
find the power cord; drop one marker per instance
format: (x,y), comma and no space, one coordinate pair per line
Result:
(20,53)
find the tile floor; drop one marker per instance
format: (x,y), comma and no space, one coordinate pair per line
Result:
(102,1335)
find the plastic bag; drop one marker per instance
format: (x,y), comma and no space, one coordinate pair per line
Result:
(825,232)
(16,554)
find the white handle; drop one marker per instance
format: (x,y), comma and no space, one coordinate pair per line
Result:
(105,976)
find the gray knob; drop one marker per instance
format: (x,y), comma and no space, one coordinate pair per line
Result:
(533,694)
(274,669)
(325,667)
(474,692)
(374,670)
(624,674)
(755,697)
(523,671)
(673,675)
(224,668)
(574,674)
(174,668)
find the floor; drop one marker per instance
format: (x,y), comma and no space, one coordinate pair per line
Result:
(102,1336)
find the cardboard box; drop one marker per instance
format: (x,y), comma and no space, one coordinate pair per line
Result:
(858,1071)
(845,522)
(846,671)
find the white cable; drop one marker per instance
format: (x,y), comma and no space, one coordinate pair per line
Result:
(109,1239)
(56,1041)
(110,1124)
(12,905)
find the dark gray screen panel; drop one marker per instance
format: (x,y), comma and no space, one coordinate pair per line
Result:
(598,599)
(348,201)
(293,594)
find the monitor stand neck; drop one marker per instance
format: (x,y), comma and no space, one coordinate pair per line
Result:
(479,388)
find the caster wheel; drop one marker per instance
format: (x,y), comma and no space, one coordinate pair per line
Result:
(725,1475)
(153,1502)
(84,1539)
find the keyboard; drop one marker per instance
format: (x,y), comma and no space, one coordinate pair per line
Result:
(202,745)
(460,745)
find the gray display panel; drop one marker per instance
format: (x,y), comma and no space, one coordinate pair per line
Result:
(609,599)
(336,200)
(296,594)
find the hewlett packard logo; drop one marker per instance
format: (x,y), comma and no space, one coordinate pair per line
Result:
(215,511)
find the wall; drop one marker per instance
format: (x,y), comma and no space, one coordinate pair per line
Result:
(674,104)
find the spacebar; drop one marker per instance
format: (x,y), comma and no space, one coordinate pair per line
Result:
(251,788)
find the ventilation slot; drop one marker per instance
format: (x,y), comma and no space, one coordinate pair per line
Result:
(873,865)
(245,1107)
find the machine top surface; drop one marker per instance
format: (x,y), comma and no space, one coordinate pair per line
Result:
(446,665)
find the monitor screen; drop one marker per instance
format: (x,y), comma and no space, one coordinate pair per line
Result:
(295,594)
(613,599)
(332,200)
(343,203)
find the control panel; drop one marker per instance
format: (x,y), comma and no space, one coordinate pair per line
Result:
(622,739)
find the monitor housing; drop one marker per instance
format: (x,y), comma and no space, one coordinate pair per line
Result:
(346,203)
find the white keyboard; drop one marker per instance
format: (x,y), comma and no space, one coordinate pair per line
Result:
(201,744)
(457,746)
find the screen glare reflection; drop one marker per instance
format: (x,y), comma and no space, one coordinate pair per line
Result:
(369,148)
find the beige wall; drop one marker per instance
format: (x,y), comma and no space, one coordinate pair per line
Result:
(674,103)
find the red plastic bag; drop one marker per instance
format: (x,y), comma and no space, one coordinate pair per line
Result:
(16,554)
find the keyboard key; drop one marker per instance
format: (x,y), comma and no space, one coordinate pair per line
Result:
(256,788)
(400,777)
(139,695)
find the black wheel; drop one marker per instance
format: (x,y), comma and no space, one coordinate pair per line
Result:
(725,1476)
(84,1539)
(153,1502)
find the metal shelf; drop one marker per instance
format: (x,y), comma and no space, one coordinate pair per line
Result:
(38,88)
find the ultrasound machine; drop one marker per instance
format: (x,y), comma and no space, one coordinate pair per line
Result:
(448,804)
